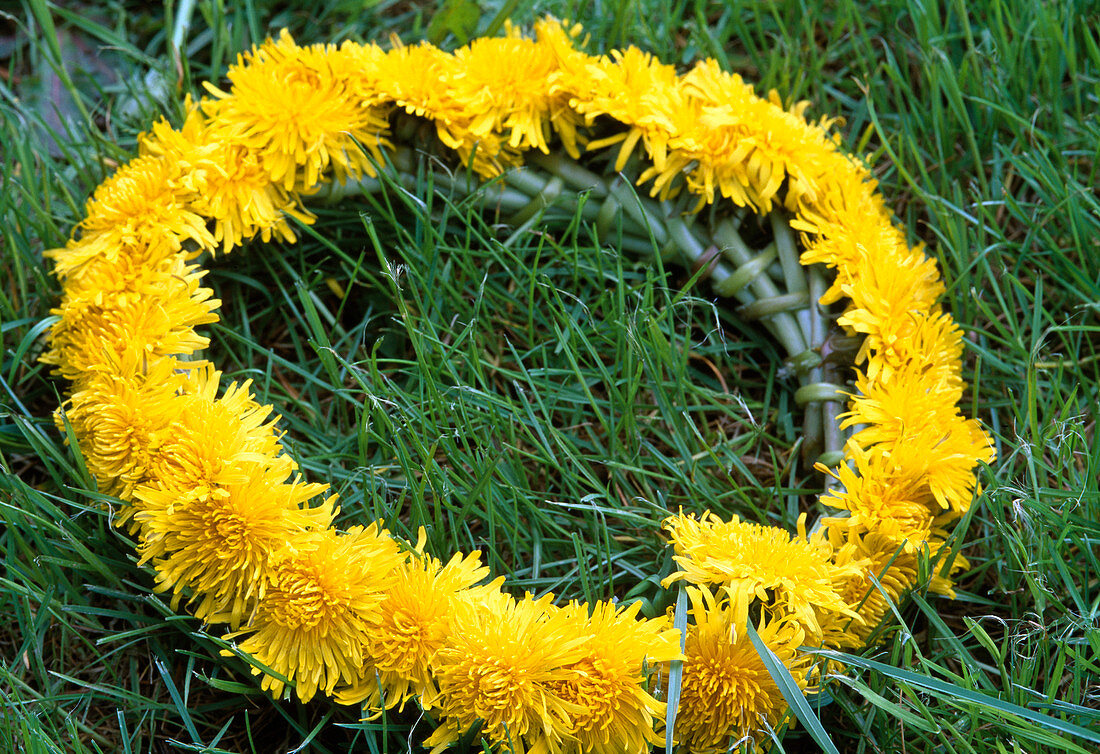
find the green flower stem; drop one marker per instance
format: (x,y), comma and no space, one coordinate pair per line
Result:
(819,417)
(576,177)
(813,431)
(817,392)
(768,307)
(834,438)
(794,274)
(738,282)
(783,325)
(834,435)
(527,216)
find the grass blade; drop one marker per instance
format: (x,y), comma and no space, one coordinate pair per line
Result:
(952,691)
(791,692)
(676,670)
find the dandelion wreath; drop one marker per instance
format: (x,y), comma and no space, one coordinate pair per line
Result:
(233,531)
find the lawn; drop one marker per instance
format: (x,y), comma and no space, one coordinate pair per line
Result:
(536,383)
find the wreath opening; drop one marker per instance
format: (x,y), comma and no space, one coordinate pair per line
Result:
(409,314)
(666,163)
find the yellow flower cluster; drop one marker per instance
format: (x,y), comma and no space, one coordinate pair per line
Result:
(229,525)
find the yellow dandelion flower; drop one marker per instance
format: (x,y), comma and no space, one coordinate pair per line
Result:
(413,78)
(504,87)
(895,506)
(501,665)
(216,544)
(749,560)
(117,261)
(722,136)
(844,224)
(568,80)
(887,285)
(128,270)
(362,67)
(418,79)
(945,456)
(288,106)
(324,588)
(122,420)
(727,696)
(639,91)
(931,343)
(155,324)
(233,188)
(951,462)
(891,411)
(748,147)
(559,37)
(615,711)
(915,420)
(896,571)
(148,197)
(878,556)
(214,440)
(410,627)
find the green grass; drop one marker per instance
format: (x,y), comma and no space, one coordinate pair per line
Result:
(548,401)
